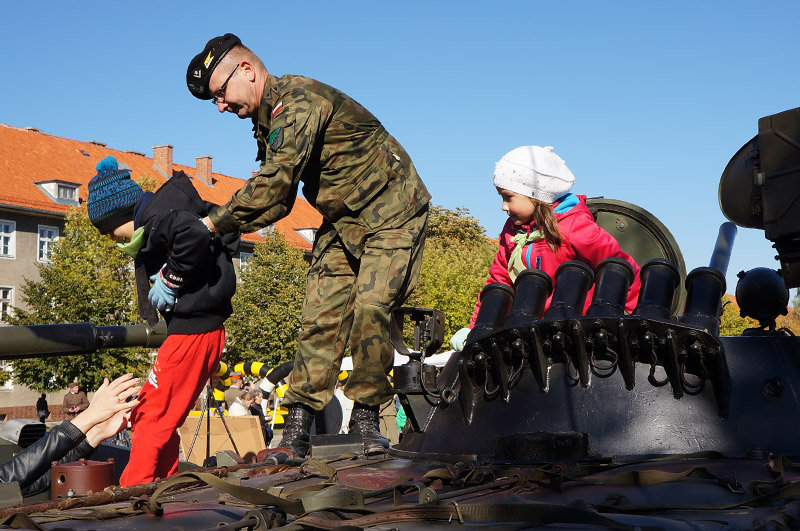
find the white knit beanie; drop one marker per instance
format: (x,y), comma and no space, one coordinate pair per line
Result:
(535,172)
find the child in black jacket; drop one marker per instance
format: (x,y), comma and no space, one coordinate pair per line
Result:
(193,281)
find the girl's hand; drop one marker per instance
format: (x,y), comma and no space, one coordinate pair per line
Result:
(108,428)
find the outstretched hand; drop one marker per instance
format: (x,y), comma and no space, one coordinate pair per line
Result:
(108,428)
(109,400)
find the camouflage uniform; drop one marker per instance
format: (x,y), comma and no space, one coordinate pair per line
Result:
(368,251)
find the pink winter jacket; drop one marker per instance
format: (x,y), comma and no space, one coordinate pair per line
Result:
(584,240)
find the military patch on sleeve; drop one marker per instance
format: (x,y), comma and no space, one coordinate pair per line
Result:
(277,109)
(276,139)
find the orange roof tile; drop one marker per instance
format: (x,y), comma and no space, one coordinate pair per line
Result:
(28,157)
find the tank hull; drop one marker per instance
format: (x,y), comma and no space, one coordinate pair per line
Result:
(645,421)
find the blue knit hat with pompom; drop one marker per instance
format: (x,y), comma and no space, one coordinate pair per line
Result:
(112,196)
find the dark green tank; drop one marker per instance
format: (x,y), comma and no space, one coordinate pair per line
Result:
(559,418)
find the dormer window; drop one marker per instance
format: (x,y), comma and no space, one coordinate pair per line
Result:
(67,192)
(61,192)
(307,234)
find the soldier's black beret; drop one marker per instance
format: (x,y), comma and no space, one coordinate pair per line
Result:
(203,64)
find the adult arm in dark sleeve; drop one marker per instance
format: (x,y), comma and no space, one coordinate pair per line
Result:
(33,462)
(84,450)
(104,417)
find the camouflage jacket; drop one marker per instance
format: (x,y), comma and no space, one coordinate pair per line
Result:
(353,171)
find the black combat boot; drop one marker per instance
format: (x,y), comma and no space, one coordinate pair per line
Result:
(364,421)
(296,430)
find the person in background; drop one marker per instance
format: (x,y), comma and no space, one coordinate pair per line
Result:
(241,405)
(42,409)
(345,403)
(268,404)
(402,419)
(75,400)
(547,224)
(74,439)
(388,416)
(234,391)
(256,409)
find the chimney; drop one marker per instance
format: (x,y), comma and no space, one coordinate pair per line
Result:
(254,173)
(203,165)
(162,159)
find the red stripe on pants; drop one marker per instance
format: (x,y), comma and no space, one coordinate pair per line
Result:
(182,367)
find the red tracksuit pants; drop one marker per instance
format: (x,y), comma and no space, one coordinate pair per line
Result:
(182,367)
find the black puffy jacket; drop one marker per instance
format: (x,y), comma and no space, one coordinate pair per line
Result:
(31,467)
(198,261)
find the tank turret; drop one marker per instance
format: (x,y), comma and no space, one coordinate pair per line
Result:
(565,372)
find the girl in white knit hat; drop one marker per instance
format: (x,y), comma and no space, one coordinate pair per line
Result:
(547,224)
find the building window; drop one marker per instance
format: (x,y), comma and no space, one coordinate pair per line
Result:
(63,193)
(244,258)
(307,234)
(47,237)
(7,238)
(6,300)
(5,303)
(5,365)
(67,193)
(264,231)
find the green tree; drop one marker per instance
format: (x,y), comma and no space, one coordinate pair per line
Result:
(87,280)
(731,323)
(267,305)
(455,226)
(147,182)
(791,321)
(455,266)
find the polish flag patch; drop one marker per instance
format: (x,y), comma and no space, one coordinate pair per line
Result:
(277,108)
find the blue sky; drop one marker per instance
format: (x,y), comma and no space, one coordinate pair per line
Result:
(645,101)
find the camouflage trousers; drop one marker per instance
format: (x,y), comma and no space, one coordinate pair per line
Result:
(349,301)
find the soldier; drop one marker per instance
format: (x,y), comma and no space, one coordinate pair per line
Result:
(368,251)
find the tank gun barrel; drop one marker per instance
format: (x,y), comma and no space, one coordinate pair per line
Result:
(75,338)
(721,256)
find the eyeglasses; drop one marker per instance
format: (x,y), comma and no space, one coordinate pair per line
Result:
(220,93)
